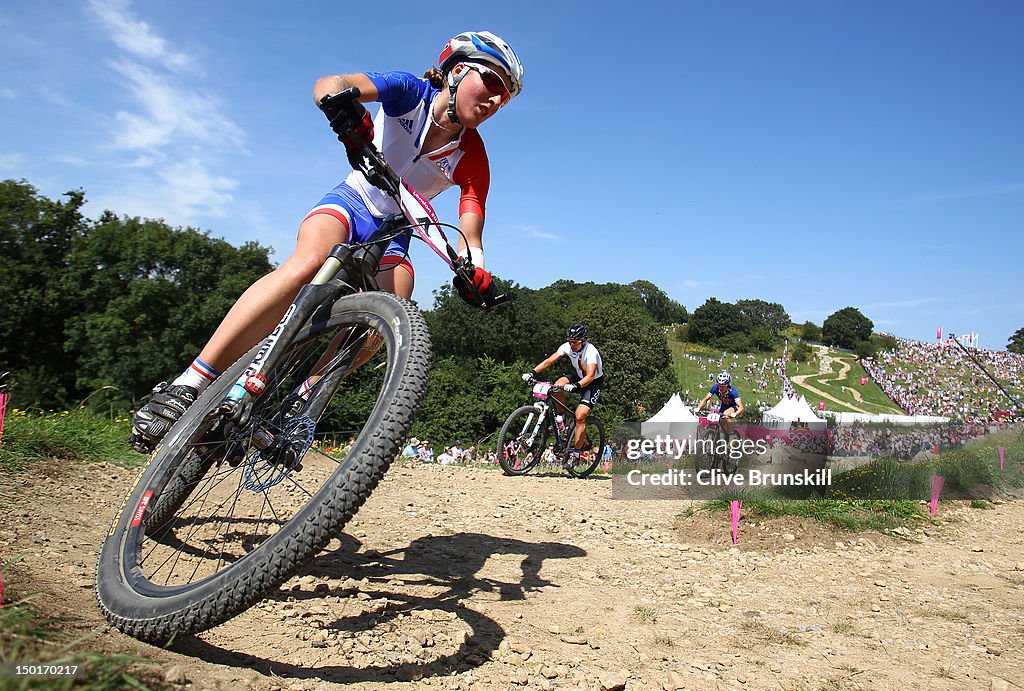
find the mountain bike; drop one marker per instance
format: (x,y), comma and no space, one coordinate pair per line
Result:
(251,482)
(524,436)
(714,452)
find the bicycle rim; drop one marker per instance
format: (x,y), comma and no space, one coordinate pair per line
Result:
(221,514)
(522,440)
(591,447)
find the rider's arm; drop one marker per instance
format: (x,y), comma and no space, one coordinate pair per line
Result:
(552,359)
(739,407)
(588,376)
(471,242)
(703,401)
(336,83)
(473,176)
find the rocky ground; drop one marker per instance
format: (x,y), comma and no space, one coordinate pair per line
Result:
(461,578)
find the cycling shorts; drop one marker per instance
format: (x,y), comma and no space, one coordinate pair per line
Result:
(590,394)
(345,204)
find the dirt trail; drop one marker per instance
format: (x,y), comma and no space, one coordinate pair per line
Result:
(461,578)
(825,367)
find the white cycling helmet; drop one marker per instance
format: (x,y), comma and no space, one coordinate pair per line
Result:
(478,46)
(482,46)
(724,378)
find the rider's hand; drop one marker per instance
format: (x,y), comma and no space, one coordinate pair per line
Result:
(348,119)
(528,377)
(481,280)
(569,387)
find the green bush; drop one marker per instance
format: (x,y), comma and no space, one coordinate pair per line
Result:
(74,435)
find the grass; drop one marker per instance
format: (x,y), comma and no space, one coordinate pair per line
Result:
(693,362)
(838,513)
(874,399)
(772,635)
(73,435)
(646,614)
(693,374)
(28,638)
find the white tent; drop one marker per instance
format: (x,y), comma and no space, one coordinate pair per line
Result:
(792,410)
(674,420)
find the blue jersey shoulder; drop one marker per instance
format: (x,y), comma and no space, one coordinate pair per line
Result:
(400,92)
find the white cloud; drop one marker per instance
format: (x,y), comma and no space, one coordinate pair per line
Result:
(690,283)
(12,164)
(76,161)
(540,234)
(901,303)
(8,94)
(176,136)
(168,112)
(184,192)
(136,37)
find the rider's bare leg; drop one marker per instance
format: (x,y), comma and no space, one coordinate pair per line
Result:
(559,394)
(397,280)
(261,306)
(582,411)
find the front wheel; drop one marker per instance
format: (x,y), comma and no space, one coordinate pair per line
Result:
(522,440)
(580,462)
(222,513)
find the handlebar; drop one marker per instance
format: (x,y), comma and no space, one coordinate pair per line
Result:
(365,158)
(554,387)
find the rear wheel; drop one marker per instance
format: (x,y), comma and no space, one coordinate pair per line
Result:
(707,455)
(522,440)
(222,513)
(580,462)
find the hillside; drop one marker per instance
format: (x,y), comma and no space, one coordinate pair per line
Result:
(914,377)
(832,376)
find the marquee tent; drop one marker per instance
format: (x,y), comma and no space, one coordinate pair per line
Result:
(792,410)
(674,420)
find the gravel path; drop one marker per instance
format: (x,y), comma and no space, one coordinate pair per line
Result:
(461,578)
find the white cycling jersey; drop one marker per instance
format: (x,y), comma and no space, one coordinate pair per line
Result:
(587,355)
(398,131)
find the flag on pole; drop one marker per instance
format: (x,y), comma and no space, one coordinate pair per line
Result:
(938,334)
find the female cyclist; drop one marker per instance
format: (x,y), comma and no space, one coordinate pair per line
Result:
(426,129)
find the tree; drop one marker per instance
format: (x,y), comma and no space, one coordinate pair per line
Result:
(810,331)
(845,327)
(714,320)
(36,235)
(150,297)
(1016,342)
(662,309)
(802,353)
(865,349)
(519,330)
(768,315)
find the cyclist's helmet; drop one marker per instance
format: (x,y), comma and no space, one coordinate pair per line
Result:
(724,378)
(576,332)
(485,47)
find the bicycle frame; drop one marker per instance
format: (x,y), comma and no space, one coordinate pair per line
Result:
(546,413)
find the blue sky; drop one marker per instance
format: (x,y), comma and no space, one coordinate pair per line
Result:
(817,154)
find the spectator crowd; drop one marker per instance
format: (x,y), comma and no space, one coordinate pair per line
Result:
(941,379)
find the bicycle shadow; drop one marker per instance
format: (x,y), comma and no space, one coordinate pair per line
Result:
(449,562)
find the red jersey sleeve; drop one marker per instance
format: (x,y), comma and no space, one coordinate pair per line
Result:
(472,174)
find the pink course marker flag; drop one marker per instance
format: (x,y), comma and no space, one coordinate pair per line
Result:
(734,511)
(1002,457)
(938,334)
(936,491)
(3,412)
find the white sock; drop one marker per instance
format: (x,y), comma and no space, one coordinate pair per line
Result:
(199,375)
